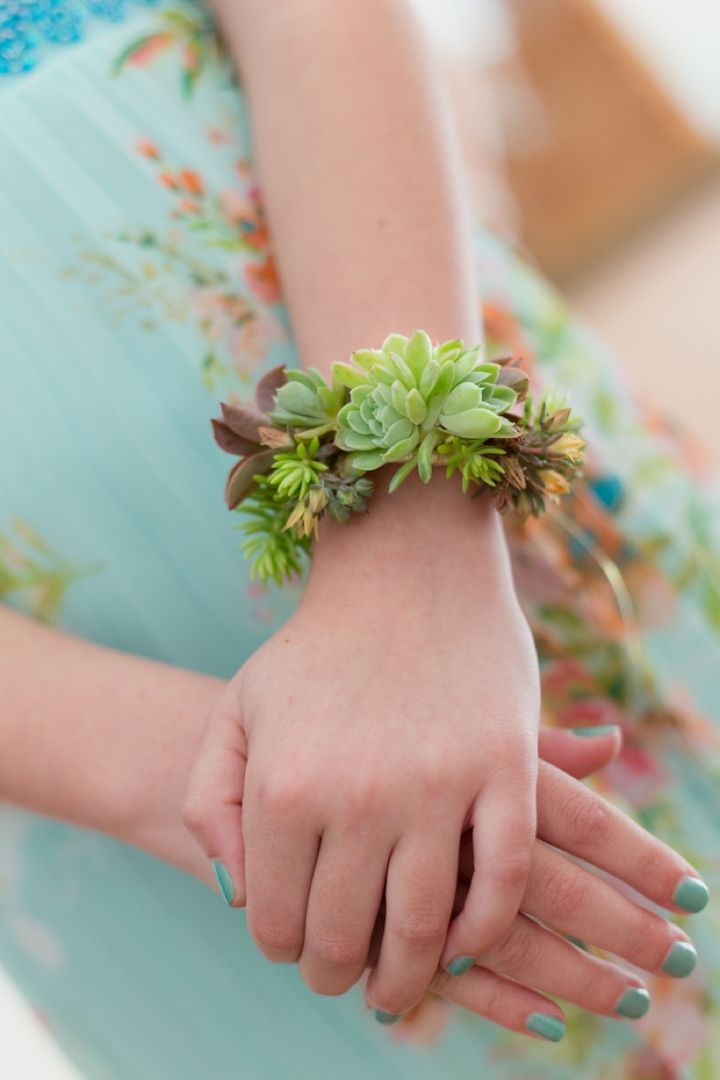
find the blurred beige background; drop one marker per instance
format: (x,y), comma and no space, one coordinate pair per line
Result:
(592,130)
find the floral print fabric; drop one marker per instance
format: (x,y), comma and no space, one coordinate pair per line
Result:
(141,239)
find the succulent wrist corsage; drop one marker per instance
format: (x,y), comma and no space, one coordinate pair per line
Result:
(307,447)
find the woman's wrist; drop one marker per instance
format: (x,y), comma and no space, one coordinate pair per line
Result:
(430,532)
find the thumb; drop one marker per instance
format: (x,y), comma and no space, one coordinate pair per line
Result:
(213,805)
(579,751)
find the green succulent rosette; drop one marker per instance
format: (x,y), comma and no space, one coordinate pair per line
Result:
(406,397)
(306,447)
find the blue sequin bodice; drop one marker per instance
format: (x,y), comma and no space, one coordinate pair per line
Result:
(29,27)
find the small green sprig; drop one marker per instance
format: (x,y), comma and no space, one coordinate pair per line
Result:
(294,472)
(276,554)
(306,446)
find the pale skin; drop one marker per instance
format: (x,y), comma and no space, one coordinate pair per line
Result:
(399,705)
(106,740)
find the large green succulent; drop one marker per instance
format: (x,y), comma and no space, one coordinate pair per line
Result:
(407,397)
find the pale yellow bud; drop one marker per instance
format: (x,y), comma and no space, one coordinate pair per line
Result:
(553,482)
(569,445)
(317,500)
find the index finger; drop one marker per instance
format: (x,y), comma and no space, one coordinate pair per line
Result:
(576,819)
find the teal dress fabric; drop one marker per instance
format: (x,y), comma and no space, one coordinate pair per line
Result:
(139,289)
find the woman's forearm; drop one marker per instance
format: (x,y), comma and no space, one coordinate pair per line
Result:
(99,738)
(360,171)
(364,186)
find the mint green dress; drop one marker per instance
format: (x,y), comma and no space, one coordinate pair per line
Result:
(138,290)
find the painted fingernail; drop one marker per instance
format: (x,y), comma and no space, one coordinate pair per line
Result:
(461,964)
(386,1018)
(224,880)
(691,894)
(634,1003)
(549,1027)
(594,732)
(681,960)
(576,941)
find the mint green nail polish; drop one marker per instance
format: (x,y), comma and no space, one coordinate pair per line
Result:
(681,960)
(224,880)
(461,964)
(550,1027)
(634,1003)
(594,732)
(385,1017)
(691,894)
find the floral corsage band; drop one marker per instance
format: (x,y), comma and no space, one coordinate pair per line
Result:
(307,447)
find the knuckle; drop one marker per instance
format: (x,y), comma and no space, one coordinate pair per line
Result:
(280,794)
(644,939)
(276,938)
(496,1003)
(589,818)
(520,952)
(437,775)
(363,797)
(337,951)
(195,813)
(513,870)
(566,892)
(441,981)
(421,930)
(647,864)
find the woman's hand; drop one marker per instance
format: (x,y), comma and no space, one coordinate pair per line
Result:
(570,899)
(396,708)
(509,984)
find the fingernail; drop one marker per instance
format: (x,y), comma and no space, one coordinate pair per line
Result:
(691,894)
(594,732)
(385,1017)
(550,1027)
(461,964)
(224,880)
(634,1003)
(681,960)
(576,941)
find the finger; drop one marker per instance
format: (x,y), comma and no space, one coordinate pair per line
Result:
(571,899)
(421,882)
(280,853)
(503,1002)
(577,820)
(345,896)
(503,830)
(213,805)
(580,751)
(537,957)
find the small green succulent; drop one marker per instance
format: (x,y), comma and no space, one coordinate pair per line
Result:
(406,397)
(306,402)
(295,471)
(474,459)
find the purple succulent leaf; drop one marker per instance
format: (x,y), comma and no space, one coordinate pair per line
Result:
(240,478)
(230,441)
(268,387)
(244,420)
(515,378)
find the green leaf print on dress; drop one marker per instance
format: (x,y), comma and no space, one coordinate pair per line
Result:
(188,29)
(33,573)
